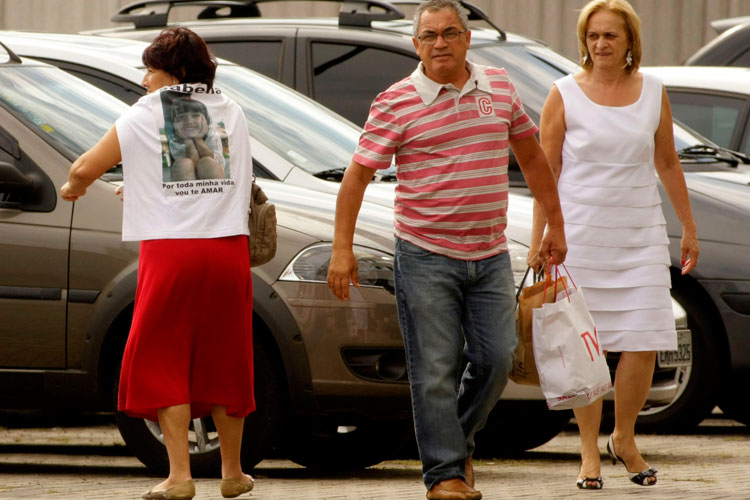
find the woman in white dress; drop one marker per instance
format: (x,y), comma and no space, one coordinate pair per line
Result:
(607,131)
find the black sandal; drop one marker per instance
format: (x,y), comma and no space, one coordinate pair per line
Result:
(584,483)
(639,478)
(642,478)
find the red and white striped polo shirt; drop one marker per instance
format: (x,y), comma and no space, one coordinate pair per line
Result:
(451,150)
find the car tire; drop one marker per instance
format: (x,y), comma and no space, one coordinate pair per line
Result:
(696,396)
(733,403)
(261,428)
(513,427)
(325,445)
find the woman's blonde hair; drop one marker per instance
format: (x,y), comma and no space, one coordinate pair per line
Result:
(632,27)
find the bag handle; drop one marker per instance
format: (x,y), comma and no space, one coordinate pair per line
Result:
(557,276)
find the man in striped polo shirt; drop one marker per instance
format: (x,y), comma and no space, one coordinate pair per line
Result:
(449,124)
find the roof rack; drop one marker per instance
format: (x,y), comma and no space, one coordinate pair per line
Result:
(157,11)
(353,12)
(475,14)
(12,56)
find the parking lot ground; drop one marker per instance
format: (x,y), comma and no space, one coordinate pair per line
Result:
(92,463)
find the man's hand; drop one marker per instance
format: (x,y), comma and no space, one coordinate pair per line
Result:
(341,269)
(553,246)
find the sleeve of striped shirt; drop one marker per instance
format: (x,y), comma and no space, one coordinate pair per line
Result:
(380,138)
(521,125)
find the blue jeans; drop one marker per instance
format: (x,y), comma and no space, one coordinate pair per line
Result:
(448,308)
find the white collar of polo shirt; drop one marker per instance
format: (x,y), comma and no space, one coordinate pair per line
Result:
(429,89)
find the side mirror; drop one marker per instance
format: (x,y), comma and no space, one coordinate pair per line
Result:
(13,182)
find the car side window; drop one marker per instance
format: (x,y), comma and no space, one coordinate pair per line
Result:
(714,116)
(263,56)
(346,78)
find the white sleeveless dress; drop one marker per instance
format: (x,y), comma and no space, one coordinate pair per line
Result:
(615,229)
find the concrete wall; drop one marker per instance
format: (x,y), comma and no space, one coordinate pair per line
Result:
(672,29)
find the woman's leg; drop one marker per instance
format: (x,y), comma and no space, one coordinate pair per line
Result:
(633,378)
(230,439)
(588,419)
(174,422)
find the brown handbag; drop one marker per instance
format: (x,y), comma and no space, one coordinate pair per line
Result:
(262,222)
(524,367)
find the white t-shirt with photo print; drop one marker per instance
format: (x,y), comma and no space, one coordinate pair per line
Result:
(158,207)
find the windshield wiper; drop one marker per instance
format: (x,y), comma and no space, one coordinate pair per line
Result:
(332,174)
(714,152)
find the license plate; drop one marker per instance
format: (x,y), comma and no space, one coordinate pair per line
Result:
(683,356)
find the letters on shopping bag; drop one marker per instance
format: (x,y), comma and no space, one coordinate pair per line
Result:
(589,340)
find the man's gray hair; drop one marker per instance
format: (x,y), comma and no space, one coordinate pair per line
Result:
(434,5)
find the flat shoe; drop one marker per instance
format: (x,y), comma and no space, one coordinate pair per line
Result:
(231,488)
(453,489)
(183,491)
(583,483)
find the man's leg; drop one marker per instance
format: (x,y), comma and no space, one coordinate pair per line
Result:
(428,296)
(489,327)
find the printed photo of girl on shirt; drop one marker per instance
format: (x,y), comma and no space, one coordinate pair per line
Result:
(194,145)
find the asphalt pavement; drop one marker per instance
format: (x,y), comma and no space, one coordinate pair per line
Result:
(91,462)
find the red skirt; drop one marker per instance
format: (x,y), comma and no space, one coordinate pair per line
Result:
(191,338)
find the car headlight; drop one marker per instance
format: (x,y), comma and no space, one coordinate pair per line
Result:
(311,265)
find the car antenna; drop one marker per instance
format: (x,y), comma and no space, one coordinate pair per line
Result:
(12,56)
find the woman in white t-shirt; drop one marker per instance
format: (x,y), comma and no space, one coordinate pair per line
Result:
(189,352)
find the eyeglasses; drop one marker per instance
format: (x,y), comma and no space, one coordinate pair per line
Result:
(449,35)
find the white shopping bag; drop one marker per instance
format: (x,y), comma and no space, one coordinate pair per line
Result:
(572,368)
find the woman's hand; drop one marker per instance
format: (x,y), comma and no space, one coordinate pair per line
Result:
(689,250)
(533,260)
(69,193)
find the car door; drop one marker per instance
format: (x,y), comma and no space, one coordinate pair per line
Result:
(721,117)
(35,229)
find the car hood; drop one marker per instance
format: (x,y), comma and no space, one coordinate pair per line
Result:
(728,188)
(313,212)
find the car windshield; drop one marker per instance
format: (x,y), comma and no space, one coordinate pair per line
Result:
(533,69)
(685,137)
(67,112)
(293,126)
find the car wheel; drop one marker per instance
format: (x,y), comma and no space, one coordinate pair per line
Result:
(145,438)
(732,402)
(263,428)
(325,445)
(696,393)
(513,427)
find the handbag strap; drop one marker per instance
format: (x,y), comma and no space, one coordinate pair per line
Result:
(537,278)
(520,286)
